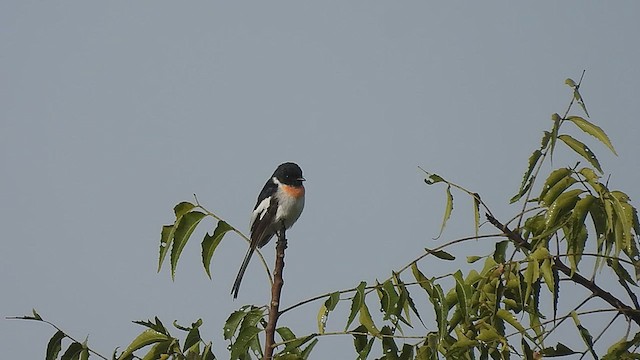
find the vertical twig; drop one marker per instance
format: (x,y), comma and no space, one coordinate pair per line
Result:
(276,290)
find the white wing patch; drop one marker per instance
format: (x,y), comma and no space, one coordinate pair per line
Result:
(260,210)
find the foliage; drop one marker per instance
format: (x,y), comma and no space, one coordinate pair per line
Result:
(494,307)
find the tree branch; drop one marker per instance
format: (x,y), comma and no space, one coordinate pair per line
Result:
(276,290)
(597,291)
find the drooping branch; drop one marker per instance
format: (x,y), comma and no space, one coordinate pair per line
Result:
(276,290)
(629,312)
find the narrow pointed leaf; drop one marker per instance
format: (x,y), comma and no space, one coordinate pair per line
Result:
(578,97)
(476,213)
(559,350)
(554,133)
(463,294)
(233,321)
(157,350)
(305,353)
(211,242)
(166,238)
(367,321)
(185,228)
(356,303)
(447,211)
(584,333)
(526,181)
(582,150)
(193,338)
(36,316)
(593,130)
(207,354)
(554,177)
(147,337)
(72,352)
(243,342)
(441,254)
(55,345)
(509,318)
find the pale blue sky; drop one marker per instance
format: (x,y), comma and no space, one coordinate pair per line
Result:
(113,112)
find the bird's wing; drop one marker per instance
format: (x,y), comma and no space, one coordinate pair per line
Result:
(261,226)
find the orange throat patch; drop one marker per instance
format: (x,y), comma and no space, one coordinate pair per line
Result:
(293,191)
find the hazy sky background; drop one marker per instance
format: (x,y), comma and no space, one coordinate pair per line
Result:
(113,112)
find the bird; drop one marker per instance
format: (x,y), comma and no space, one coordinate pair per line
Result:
(280,202)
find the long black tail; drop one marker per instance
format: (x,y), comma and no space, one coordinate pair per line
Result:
(243,267)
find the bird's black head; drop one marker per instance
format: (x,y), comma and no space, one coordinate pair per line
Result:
(289,174)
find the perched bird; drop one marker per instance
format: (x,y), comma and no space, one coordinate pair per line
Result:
(280,202)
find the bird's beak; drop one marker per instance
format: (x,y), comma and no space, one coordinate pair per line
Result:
(301,179)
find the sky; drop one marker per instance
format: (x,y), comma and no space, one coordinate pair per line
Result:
(113,112)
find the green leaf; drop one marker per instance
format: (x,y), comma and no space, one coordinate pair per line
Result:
(447,211)
(592,130)
(185,228)
(328,306)
(547,274)
(511,320)
(440,254)
(560,207)
(145,338)
(553,179)
(356,303)
(389,347)
(243,342)
(55,345)
(433,179)
(166,237)
(211,242)
(576,243)
(557,189)
(578,97)
(463,293)
(157,350)
(36,316)
(526,181)
(193,337)
(366,320)
(560,350)
(582,150)
(441,308)
(570,82)
(584,333)
(361,342)
(234,320)
(157,326)
(421,279)
(499,255)
(476,213)
(332,301)
(73,352)
(207,354)
(389,299)
(526,349)
(305,353)
(557,120)
(623,275)
(473,258)
(183,208)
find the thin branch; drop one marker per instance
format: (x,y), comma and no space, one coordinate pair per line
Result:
(57,328)
(574,276)
(276,291)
